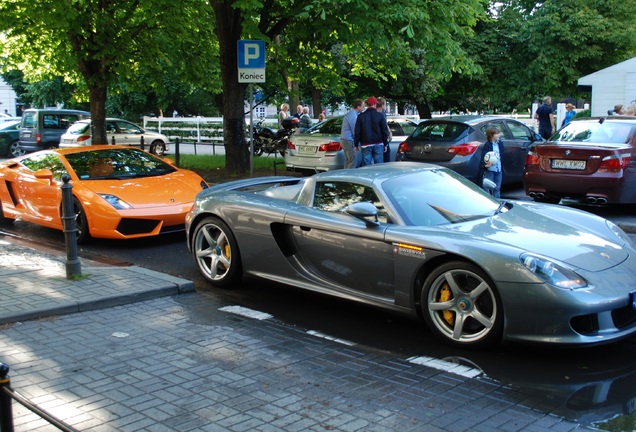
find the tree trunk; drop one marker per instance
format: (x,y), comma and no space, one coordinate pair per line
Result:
(229,25)
(423,109)
(316,102)
(98,95)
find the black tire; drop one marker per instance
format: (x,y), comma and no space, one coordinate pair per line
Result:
(81,223)
(3,219)
(216,253)
(158,148)
(15,150)
(461,306)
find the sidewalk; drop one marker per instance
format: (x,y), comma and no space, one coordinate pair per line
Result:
(34,284)
(180,363)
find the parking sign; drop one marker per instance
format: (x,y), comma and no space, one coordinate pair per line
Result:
(251,61)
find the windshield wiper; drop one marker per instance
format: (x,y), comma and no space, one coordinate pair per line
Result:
(501,207)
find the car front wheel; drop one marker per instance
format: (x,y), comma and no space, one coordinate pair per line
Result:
(216,253)
(461,306)
(81,223)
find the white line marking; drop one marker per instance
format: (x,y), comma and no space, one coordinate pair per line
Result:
(243,311)
(446,366)
(331,338)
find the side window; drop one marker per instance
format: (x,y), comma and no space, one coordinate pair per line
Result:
(519,131)
(50,121)
(335,196)
(128,128)
(46,161)
(499,125)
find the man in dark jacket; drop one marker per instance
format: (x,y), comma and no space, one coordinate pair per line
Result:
(371,134)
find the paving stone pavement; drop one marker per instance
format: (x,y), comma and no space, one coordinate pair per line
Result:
(183,363)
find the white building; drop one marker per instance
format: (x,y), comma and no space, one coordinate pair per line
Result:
(7,99)
(614,85)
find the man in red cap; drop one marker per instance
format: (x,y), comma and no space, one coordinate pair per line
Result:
(371,134)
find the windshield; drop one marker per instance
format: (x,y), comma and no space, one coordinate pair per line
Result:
(438,197)
(607,132)
(120,163)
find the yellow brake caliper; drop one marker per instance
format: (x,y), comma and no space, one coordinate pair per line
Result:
(445,295)
(226,250)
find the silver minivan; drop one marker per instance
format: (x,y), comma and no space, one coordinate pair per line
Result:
(42,128)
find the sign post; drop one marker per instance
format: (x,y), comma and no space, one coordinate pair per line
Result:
(251,69)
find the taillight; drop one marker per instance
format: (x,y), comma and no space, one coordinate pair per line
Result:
(532,158)
(614,163)
(464,149)
(404,147)
(83,138)
(38,137)
(290,145)
(330,146)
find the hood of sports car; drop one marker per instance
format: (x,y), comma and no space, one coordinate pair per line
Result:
(142,192)
(561,236)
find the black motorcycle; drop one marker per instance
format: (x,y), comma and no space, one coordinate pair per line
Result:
(267,140)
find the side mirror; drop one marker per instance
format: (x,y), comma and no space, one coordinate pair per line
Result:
(363,211)
(44,174)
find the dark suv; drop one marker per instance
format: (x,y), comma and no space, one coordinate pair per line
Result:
(42,128)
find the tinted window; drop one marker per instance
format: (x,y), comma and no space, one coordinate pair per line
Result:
(438,197)
(329,127)
(30,119)
(117,163)
(335,196)
(440,131)
(596,132)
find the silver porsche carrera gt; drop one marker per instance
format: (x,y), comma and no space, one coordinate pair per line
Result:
(420,239)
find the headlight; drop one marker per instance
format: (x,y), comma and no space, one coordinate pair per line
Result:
(116,202)
(552,273)
(619,233)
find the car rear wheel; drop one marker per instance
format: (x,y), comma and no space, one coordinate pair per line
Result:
(81,223)
(216,253)
(15,150)
(461,306)
(158,148)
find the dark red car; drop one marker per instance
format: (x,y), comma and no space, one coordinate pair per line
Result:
(592,160)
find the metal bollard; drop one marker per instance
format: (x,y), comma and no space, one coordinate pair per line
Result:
(6,408)
(141,142)
(176,151)
(112,141)
(73,265)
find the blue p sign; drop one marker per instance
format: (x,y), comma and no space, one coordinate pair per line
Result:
(251,54)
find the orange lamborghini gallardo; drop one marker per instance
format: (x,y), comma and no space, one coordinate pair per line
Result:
(118,192)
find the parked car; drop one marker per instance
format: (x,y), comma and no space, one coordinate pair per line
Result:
(423,240)
(42,128)
(456,142)
(118,192)
(9,139)
(319,149)
(118,131)
(592,160)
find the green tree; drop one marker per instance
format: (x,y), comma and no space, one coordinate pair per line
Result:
(97,43)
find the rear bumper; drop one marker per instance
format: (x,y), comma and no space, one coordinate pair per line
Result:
(612,187)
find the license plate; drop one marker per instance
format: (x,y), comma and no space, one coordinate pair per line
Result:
(307,149)
(568,164)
